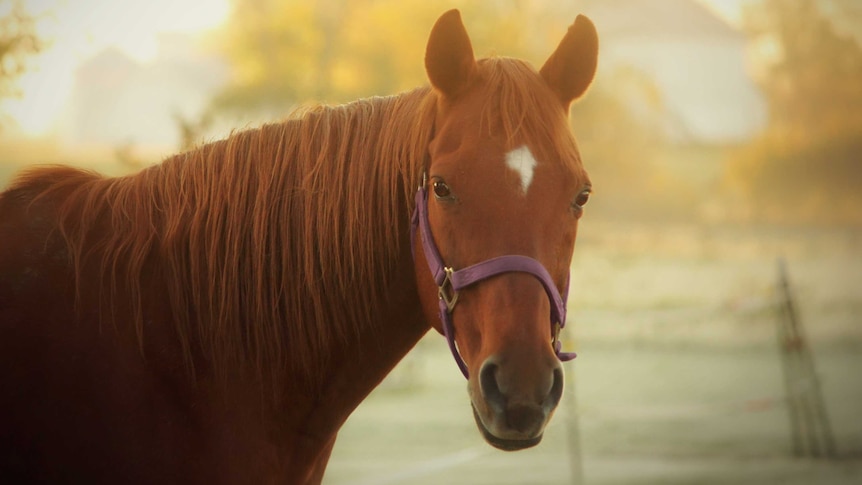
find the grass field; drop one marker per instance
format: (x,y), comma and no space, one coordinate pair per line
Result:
(678,378)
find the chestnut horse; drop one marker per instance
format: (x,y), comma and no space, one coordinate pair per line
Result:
(216,318)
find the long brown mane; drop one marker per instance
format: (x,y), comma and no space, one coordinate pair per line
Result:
(277,240)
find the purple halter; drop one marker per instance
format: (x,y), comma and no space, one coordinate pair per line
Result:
(450,282)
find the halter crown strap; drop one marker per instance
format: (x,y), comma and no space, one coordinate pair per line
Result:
(450,282)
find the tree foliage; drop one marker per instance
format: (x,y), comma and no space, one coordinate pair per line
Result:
(18,40)
(289,52)
(807,167)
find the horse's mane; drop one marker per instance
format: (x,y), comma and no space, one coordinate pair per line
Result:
(281,238)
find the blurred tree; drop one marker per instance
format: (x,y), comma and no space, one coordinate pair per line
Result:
(192,129)
(806,166)
(288,52)
(17,41)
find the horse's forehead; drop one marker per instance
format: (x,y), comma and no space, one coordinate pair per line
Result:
(523,163)
(496,167)
(509,143)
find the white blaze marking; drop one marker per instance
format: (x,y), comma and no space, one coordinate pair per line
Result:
(521,160)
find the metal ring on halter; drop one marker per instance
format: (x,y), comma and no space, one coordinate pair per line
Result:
(446,291)
(555,337)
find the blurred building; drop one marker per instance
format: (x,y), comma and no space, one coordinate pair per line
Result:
(693,59)
(117,100)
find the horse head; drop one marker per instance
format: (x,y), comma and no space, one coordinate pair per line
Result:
(497,216)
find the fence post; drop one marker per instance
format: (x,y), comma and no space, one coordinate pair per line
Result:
(576,464)
(811,433)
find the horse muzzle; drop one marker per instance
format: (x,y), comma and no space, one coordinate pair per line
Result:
(510,411)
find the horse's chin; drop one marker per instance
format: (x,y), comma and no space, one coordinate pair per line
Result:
(501,443)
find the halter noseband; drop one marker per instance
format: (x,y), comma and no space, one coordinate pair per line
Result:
(450,282)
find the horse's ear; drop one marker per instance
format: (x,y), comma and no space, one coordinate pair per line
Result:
(570,69)
(449,59)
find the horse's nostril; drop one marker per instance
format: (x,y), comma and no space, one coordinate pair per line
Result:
(490,387)
(556,388)
(547,391)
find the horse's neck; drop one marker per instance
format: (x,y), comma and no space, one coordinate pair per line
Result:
(313,405)
(357,368)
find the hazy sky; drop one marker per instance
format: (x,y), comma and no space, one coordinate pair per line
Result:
(78,29)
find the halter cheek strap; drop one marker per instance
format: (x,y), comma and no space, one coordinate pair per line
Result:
(450,282)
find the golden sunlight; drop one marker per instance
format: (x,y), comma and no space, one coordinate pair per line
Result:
(77,30)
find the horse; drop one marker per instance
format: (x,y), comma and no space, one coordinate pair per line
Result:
(215,318)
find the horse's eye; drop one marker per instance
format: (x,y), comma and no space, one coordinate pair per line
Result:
(582,198)
(441,190)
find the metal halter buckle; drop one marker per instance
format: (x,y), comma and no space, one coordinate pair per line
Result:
(555,334)
(446,291)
